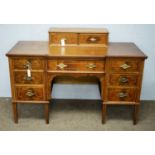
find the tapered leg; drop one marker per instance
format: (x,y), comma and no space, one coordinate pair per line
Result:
(15,112)
(104,113)
(47,113)
(135,114)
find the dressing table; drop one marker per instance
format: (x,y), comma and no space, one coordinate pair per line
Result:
(76,52)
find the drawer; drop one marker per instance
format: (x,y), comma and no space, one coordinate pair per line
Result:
(93,38)
(21,77)
(24,63)
(115,94)
(28,93)
(124,65)
(70,38)
(123,80)
(78,65)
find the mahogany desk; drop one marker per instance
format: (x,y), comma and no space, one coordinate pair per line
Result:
(117,66)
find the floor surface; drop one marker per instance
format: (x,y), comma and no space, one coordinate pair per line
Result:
(76,115)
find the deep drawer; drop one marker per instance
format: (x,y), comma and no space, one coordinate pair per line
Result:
(115,94)
(29,93)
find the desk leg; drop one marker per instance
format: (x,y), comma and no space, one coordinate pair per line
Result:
(135,114)
(15,112)
(104,113)
(47,113)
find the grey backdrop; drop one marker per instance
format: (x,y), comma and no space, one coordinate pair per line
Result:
(142,35)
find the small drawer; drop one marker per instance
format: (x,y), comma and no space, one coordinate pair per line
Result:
(123,80)
(93,38)
(124,65)
(22,78)
(28,93)
(115,94)
(25,63)
(70,38)
(78,65)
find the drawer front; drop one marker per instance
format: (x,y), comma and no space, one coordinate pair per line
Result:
(115,94)
(93,39)
(125,65)
(123,80)
(70,38)
(64,65)
(28,93)
(33,63)
(22,78)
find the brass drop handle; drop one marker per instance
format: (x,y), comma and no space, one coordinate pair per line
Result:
(30,93)
(125,66)
(93,39)
(27,65)
(123,94)
(63,41)
(123,79)
(91,66)
(28,78)
(62,66)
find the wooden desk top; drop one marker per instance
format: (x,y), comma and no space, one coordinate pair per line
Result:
(41,48)
(79,30)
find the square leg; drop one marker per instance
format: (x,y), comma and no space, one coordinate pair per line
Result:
(104,113)
(15,112)
(47,113)
(135,114)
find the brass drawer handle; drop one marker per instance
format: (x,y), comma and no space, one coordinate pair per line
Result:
(125,66)
(62,66)
(91,66)
(27,65)
(123,79)
(93,39)
(30,93)
(28,78)
(123,95)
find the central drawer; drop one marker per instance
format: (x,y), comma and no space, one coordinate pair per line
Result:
(77,65)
